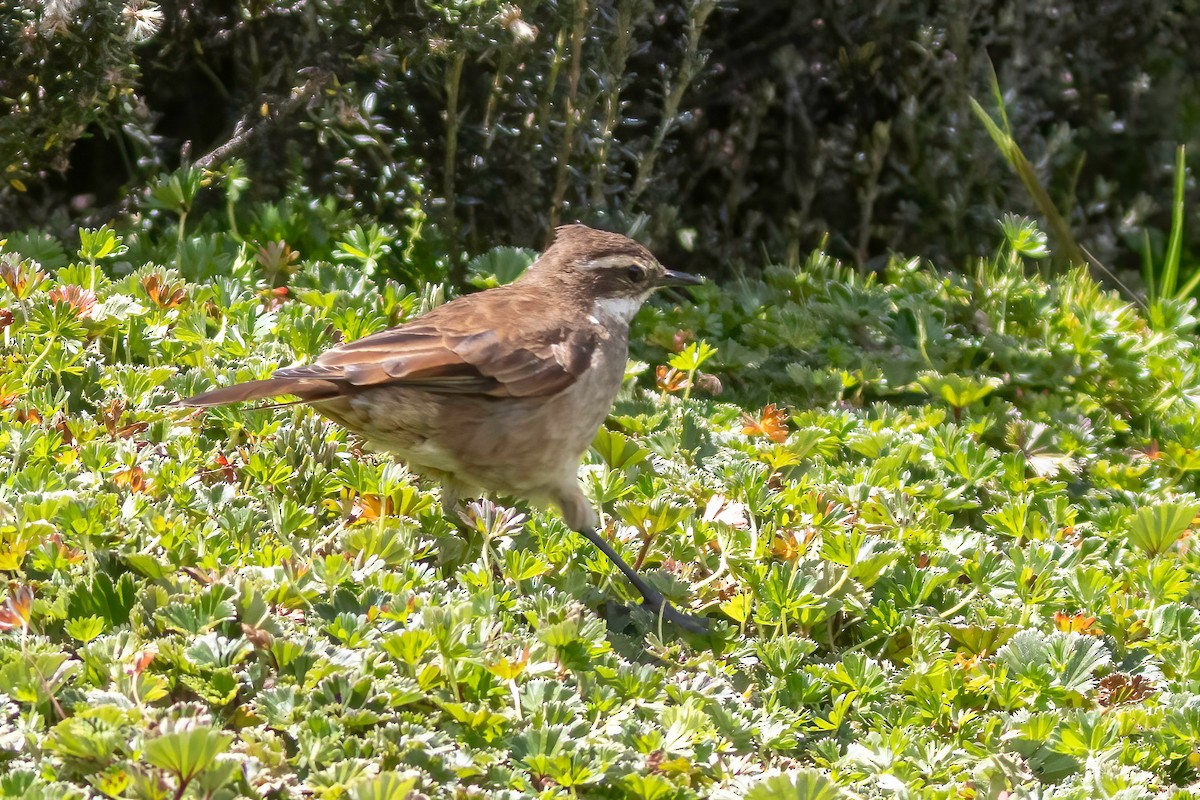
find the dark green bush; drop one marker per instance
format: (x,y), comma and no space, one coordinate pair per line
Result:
(716,129)
(68,71)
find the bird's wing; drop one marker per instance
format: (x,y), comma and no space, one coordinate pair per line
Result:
(454,354)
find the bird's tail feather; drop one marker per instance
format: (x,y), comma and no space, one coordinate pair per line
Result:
(307,389)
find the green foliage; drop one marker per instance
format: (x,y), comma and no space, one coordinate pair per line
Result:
(1162,279)
(499,266)
(1154,529)
(715,129)
(186,753)
(1002,136)
(798,785)
(57,82)
(943,523)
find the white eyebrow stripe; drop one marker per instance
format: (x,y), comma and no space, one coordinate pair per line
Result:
(613,261)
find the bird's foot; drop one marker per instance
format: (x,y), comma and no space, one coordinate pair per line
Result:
(652,599)
(688,622)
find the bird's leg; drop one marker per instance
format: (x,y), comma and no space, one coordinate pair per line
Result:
(651,597)
(582,518)
(452,501)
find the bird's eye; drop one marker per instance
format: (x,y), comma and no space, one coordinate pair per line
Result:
(637,273)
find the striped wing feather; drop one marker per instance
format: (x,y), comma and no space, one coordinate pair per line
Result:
(445,351)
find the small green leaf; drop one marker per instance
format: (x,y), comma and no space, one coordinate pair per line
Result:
(409,645)
(385,786)
(738,607)
(692,356)
(85,628)
(802,784)
(98,243)
(618,451)
(648,787)
(960,391)
(188,752)
(1154,529)
(499,266)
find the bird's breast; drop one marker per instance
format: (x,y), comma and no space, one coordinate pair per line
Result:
(515,445)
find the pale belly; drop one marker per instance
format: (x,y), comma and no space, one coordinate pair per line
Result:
(526,447)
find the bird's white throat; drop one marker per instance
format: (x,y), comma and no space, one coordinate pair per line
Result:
(616,308)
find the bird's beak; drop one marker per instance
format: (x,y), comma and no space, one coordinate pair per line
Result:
(672,278)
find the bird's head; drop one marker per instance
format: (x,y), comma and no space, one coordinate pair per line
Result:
(612,272)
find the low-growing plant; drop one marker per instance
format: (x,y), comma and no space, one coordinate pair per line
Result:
(944,523)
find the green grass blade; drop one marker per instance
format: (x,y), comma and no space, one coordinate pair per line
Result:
(1148,268)
(998,96)
(1003,140)
(1170,274)
(1002,135)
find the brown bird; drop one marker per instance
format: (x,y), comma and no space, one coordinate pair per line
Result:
(502,390)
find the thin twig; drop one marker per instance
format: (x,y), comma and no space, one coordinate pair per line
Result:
(629,13)
(693,60)
(245,131)
(454,71)
(1095,262)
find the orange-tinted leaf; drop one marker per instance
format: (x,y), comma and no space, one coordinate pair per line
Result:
(17,608)
(789,547)
(141,660)
(81,300)
(1150,452)
(163,294)
(110,414)
(1076,623)
(19,279)
(771,422)
(132,429)
(259,637)
(669,379)
(1120,688)
(966,661)
(274,299)
(133,477)
(277,257)
(508,669)
(71,556)
(228,473)
(369,507)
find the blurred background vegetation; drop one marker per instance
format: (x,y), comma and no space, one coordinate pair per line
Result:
(716,131)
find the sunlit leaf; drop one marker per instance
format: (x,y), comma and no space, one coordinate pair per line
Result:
(188,752)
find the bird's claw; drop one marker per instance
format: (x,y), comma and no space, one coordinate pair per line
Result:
(687,622)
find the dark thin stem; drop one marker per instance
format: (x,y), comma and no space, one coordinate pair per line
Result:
(551,82)
(489,126)
(454,71)
(640,561)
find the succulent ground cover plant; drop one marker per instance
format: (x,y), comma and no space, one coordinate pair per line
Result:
(947,520)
